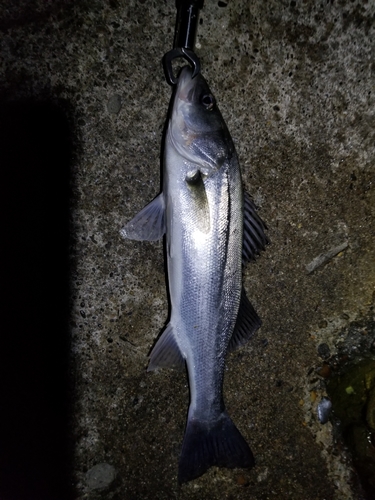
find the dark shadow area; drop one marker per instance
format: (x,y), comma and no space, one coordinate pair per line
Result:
(35,366)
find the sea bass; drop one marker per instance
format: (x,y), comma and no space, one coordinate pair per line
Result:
(211,227)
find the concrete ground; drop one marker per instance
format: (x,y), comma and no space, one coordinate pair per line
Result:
(295,82)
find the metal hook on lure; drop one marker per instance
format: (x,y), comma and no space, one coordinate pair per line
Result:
(185,31)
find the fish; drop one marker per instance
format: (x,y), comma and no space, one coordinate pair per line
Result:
(211,228)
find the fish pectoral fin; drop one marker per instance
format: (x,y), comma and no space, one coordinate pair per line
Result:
(148,224)
(246,325)
(208,443)
(254,238)
(199,200)
(166,353)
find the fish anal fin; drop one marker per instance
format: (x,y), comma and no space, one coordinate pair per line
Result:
(217,443)
(166,353)
(254,237)
(148,224)
(246,325)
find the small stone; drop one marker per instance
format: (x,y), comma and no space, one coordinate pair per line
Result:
(324,371)
(324,351)
(114,104)
(100,476)
(324,410)
(241,480)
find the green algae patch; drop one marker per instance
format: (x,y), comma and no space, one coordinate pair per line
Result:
(353,400)
(352,392)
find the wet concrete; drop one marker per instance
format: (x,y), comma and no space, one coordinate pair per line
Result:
(295,83)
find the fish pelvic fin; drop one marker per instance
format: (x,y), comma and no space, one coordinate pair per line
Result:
(148,224)
(254,237)
(247,324)
(166,353)
(217,443)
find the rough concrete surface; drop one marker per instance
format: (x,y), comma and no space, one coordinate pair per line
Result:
(295,82)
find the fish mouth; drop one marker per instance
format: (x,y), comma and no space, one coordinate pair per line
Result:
(181,135)
(183,100)
(185,83)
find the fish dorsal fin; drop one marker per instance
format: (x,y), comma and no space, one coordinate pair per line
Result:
(166,353)
(148,224)
(197,189)
(247,323)
(254,238)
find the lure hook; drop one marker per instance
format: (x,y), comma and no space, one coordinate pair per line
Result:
(185,32)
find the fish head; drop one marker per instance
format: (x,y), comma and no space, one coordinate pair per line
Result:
(196,127)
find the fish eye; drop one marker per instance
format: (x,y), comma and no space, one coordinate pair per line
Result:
(208,101)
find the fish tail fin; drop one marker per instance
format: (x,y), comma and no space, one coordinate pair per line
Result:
(217,443)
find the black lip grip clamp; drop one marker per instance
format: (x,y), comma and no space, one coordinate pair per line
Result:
(185,31)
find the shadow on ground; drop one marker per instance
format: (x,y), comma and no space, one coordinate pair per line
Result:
(35,445)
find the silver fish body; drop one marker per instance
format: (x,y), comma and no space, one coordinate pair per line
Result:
(210,229)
